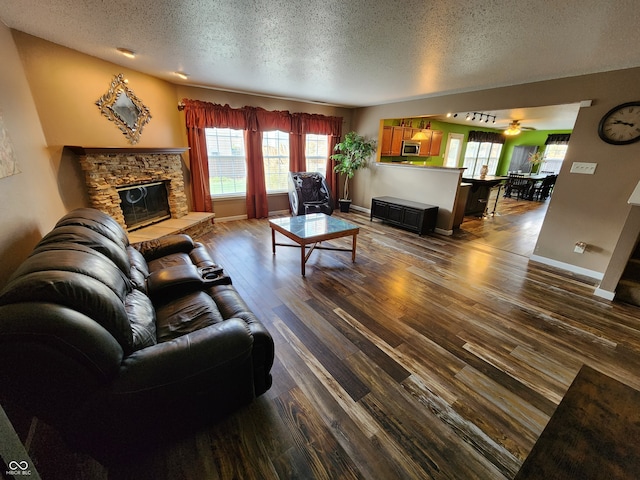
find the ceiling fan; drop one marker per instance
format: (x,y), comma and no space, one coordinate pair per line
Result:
(514,128)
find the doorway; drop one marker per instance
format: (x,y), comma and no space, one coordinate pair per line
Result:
(453,150)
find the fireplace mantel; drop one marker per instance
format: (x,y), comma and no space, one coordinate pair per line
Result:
(125,150)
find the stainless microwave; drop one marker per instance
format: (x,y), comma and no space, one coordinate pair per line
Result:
(410,149)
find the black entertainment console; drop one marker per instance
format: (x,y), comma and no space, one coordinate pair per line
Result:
(414,216)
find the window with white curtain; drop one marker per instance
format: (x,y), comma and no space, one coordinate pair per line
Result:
(478,154)
(275,153)
(554,152)
(316,152)
(227,162)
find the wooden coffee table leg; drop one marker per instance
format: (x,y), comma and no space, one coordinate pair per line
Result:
(303,258)
(273,240)
(353,248)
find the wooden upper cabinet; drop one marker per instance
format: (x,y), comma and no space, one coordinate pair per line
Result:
(391,143)
(436,142)
(392,138)
(409,132)
(425,145)
(385,141)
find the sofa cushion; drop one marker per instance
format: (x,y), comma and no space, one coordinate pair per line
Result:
(142,317)
(172,260)
(79,292)
(185,314)
(97,221)
(85,236)
(82,280)
(139,270)
(163,246)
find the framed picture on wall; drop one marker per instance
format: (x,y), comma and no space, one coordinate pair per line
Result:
(8,161)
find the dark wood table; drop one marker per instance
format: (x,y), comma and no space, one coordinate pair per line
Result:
(593,434)
(532,179)
(478,199)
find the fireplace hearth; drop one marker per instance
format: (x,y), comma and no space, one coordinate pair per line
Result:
(144,204)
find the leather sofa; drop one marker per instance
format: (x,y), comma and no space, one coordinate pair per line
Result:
(122,346)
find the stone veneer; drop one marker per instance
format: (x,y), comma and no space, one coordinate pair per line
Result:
(108,168)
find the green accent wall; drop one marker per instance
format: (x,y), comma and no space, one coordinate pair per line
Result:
(528,138)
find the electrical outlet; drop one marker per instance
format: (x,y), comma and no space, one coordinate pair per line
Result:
(580,247)
(583,167)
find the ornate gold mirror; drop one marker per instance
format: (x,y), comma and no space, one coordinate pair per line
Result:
(121,106)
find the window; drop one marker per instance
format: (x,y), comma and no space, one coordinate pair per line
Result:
(227,161)
(479,154)
(316,152)
(553,158)
(275,152)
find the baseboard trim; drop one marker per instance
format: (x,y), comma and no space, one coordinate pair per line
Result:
(567,266)
(606,294)
(280,212)
(230,219)
(361,209)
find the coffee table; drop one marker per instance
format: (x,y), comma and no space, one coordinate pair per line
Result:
(307,231)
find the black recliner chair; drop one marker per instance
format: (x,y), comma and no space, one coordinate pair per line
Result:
(309,193)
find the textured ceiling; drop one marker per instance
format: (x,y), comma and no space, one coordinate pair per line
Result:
(351,53)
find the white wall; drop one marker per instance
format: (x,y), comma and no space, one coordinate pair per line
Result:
(431,185)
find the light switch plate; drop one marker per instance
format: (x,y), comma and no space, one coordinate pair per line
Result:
(583,167)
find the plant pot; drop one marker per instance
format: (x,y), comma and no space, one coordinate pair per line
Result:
(344,205)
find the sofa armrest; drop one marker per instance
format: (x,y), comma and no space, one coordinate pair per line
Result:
(160,247)
(169,369)
(171,282)
(167,389)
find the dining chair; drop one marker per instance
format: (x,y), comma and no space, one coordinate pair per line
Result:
(519,184)
(542,190)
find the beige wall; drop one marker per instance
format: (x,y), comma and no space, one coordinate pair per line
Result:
(589,208)
(47,99)
(48,96)
(65,85)
(29,201)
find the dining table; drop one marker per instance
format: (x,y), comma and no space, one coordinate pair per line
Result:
(532,178)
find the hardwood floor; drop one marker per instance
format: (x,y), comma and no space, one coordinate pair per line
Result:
(429,357)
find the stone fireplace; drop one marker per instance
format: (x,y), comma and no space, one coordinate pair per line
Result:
(109,169)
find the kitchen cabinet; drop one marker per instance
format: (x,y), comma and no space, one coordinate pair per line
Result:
(431,146)
(391,143)
(414,216)
(392,138)
(436,142)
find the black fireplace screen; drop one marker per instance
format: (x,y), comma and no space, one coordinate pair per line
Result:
(144,204)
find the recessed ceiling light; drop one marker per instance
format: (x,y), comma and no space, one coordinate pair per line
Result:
(126,52)
(182,75)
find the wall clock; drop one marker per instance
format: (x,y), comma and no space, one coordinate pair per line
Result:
(621,124)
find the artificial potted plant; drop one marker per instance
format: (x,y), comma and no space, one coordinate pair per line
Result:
(535,159)
(354,151)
